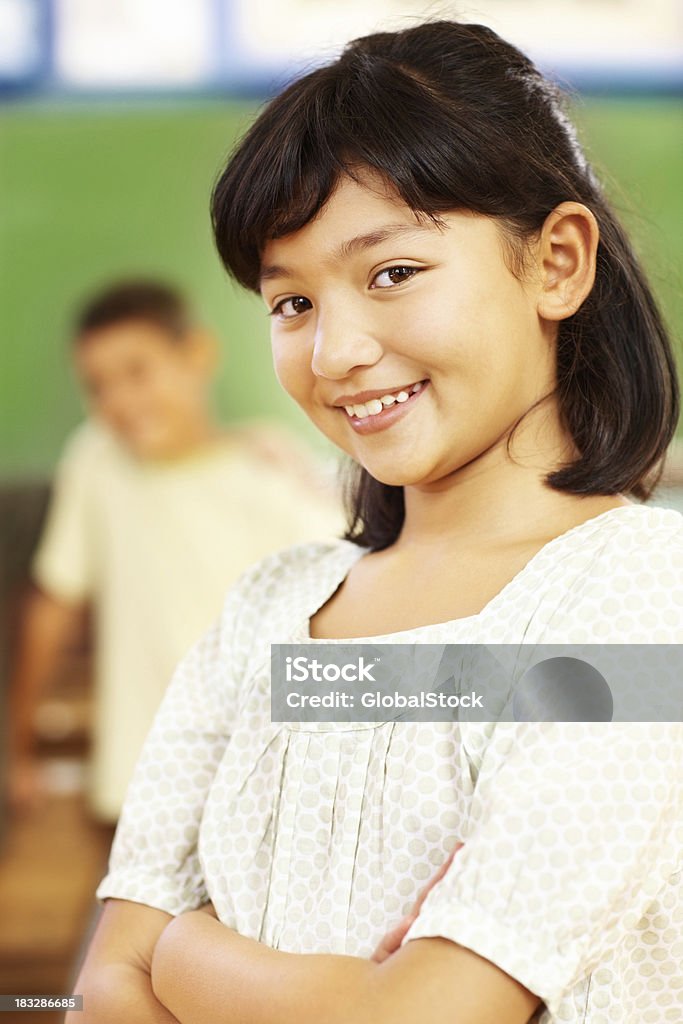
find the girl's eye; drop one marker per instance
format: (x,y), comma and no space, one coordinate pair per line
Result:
(394,275)
(292,307)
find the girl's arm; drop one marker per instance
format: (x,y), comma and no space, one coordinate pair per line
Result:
(202,971)
(115,977)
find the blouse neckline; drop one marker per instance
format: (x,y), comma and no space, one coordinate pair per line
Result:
(563,540)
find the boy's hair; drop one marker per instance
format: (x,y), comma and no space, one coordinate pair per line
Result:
(147,300)
(453,117)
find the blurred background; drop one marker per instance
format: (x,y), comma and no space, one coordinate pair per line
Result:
(115,118)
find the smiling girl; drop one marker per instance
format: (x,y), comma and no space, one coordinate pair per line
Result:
(454,305)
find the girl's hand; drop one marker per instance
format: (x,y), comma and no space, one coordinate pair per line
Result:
(393,939)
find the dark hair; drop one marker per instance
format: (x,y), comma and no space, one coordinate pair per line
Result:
(454,117)
(151,301)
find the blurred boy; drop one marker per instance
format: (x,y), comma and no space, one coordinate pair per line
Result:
(156,509)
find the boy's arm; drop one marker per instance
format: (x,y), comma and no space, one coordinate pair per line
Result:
(46,626)
(203,971)
(115,977)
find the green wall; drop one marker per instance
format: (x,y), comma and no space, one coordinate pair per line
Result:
(90,192)
(637,149)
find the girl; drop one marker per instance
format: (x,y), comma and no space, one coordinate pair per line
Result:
(454,304)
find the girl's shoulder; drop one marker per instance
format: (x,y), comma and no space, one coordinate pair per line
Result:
(628,535)
(279,589)
(643,532)
(299,567)
(623,580)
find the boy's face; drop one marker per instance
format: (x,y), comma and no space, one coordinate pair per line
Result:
(149,387)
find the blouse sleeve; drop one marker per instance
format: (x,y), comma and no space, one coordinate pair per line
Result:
(154,856)
(574,826)
(574,829)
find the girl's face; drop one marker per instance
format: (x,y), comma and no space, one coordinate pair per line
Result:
(411,346)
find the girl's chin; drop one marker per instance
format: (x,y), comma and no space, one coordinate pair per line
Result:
(399,471)
(434,473)
(399,476)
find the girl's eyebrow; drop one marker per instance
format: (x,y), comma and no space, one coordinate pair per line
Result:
(350,246)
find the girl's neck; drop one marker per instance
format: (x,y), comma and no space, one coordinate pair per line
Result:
(496,500)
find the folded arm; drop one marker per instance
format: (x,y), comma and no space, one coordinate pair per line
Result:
(115,979)
(202,971)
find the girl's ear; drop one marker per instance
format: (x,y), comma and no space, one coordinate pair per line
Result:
(566,253)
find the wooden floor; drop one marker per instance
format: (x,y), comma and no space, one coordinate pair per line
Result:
(50,863)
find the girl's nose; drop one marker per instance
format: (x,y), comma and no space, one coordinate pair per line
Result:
(342,344)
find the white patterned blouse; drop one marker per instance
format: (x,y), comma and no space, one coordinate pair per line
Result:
(317,837)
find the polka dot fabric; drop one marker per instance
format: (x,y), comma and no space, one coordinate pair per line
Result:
(316,837)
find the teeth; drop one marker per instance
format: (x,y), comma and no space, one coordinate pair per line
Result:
(376,405)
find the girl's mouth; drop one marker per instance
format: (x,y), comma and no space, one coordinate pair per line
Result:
(379,413)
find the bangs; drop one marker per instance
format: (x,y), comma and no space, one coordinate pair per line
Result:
(339,120)
(452,117)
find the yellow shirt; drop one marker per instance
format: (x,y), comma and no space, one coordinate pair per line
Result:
(155,546)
